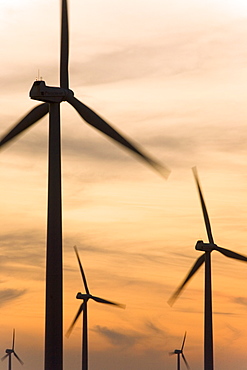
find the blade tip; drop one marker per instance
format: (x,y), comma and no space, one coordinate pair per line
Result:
(162,170)
(171,302)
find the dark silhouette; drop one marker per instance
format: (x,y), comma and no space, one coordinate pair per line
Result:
(179,352)
(10,352)
(52,97)
(83,307)
(206,257)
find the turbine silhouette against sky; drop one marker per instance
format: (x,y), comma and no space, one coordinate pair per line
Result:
(10,352)
(206,257)
(83,307)
(179,352)
(52,97)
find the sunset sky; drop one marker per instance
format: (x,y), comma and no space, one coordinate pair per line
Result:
(171,75)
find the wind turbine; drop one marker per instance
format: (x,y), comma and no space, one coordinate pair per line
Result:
(83,308)
(52,97)
(179,352)
(10,352)
(207,248)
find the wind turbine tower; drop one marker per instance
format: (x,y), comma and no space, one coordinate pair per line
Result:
(207,248)
(10,352)
(179,352)
(52,97)
(83,308)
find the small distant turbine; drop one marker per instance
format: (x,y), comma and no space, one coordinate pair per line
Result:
(83,308)
(179,352)
(10,352)
(207,248)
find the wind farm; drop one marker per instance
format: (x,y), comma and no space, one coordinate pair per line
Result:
(171,78)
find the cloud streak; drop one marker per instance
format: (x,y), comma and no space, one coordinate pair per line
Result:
(116,338)
(9,295)
(23,254)
(241,301)
(182,53)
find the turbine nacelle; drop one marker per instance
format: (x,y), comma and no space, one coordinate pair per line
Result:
(49,94)
(177,351)
(9,351)
(205,247)
(83,296)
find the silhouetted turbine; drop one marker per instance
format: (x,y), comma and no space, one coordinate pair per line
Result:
(206,257)
(10,352)
(179,352)
(52,97)
(83,308)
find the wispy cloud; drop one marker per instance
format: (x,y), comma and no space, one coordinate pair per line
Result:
(116,338)
(223,313)
(241,301)
(23,254)
(155,328)
(235,333)
(182,52)
(22,245)
(9,295)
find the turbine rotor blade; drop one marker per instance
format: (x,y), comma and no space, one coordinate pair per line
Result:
(171,353)
(100,124)
(186,363)
(18,358)
(195,267)
(13,341)
(81,308)
(82,271)
(231,254)
(101,300)
(204,209)
(5,356)
(33,116)
(64,55)
(182,347)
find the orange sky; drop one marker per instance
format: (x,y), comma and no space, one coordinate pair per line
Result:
(173,78)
